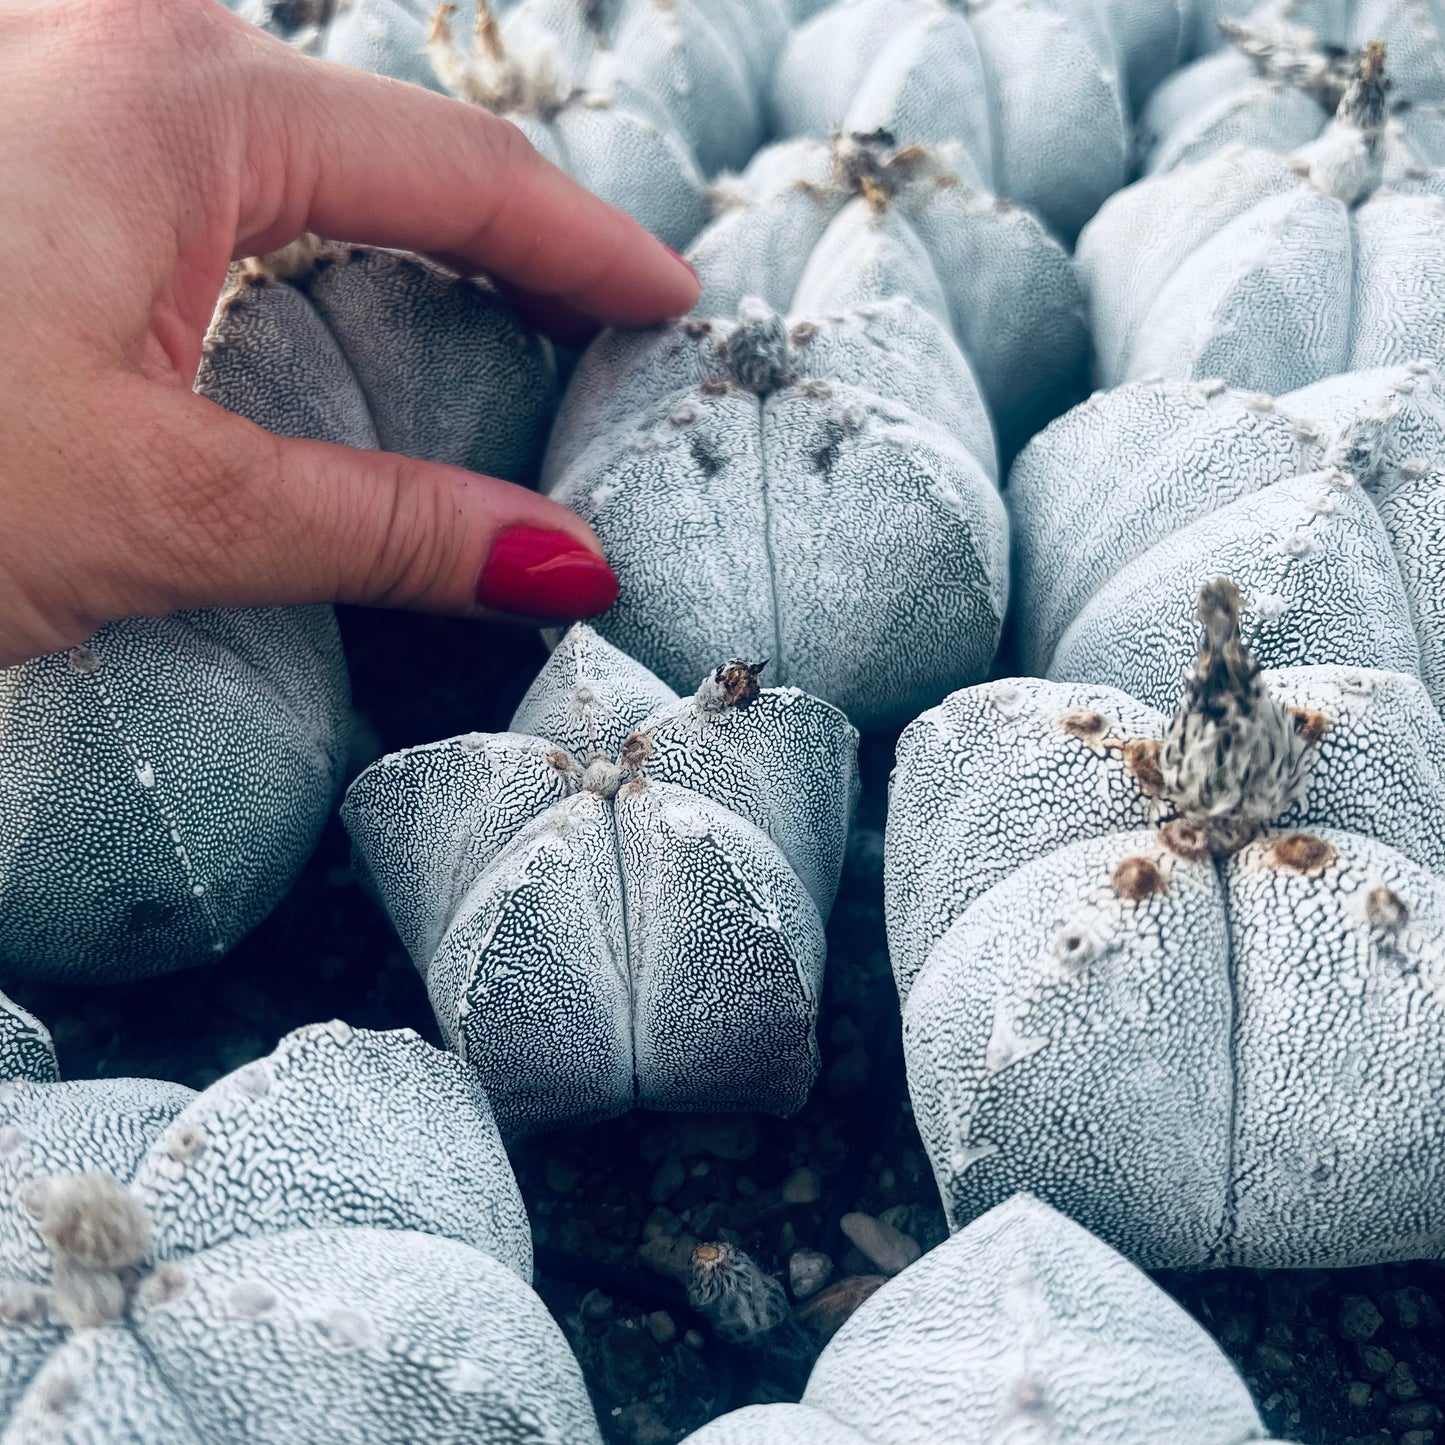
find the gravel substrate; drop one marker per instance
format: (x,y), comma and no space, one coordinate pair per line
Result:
(831,1202)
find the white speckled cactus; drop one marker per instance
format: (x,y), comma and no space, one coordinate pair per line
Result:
(1216,1041)
(620,902)
(326,1245)
(639,101)
(26,1051)
(805,470)
(1037,92)
(1020,1328)
(1279,82)
(162,785)
(1272,271)
(1326,506)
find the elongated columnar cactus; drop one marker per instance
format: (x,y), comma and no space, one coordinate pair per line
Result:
(1022,1327)
(326,1245)
(620,902)
(1184,979)
(1326,505)
(1272,271)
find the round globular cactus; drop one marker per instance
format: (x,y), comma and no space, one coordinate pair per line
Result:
(1182,978)
(327,1244)
(1326,506)
(1022,1327)
(620,902)
(1278,84)
(1272,271)
(805,469)
(1037,93)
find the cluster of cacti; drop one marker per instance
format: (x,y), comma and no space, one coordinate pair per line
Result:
(620,902)
(326,1245)
(1173,964)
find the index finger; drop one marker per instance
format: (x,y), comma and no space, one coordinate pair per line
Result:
(362,158)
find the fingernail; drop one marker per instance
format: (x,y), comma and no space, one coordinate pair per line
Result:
(546,575)
(685,262)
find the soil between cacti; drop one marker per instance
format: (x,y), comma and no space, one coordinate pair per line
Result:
(1331,1356)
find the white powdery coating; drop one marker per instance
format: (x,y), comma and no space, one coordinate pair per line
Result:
(1236,1065)
(639,102)
(338,1249)
(651,937)
(26,1050)
(1020,1327)
(1325,506)
(833,494)
(1036,92)
(1246,266)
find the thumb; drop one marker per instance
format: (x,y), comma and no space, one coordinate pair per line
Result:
(247,518)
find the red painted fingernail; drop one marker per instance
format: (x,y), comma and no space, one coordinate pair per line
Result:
(546,575)
(685,262)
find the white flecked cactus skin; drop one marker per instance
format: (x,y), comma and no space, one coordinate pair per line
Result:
(1022,1327)
(804,470)
(1272,271)
(1037,92)
(326,1245)
(26,1050)
(161,785)
(1276,84)
(1206,1061)
(620,902)
(1326,506)
(639,102)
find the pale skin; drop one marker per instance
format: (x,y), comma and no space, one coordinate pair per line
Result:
(144,145)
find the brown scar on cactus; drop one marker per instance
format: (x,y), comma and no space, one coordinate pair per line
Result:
(1385,910)
(1233,759)
(1300,853)
(1136,878)
(1311,724)
(1086,727)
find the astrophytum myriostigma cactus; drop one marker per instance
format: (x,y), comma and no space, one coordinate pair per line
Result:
(327,1244)
(1183,979)
(639,101)
(162,784)
(1272,271)
(1326,506)
(1022,1327)
(1037,93)
(805,470)
(620,902)
(1278,83)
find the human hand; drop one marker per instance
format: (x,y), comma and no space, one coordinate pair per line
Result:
(144,144)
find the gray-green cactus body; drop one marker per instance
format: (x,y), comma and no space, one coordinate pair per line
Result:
(1207,1061)
(326,1245)
(161,785)
(1272,271)
(620,902)
(26,1050)
(1326,506)
(1276,86)
(1411,28)
(299,21)
(1036,93)
(805,469)
(639,102)
(1021,1327)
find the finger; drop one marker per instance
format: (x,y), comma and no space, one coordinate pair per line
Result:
(363,158)
(252,519)
(548,314)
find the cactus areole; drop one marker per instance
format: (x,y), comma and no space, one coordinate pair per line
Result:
(1184,978)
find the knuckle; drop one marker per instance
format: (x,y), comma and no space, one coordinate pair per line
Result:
(419,545)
